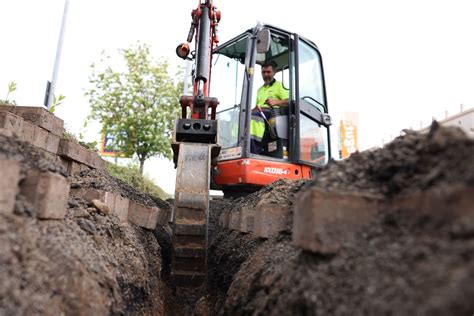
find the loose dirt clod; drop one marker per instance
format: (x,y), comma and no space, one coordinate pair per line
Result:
(101,207)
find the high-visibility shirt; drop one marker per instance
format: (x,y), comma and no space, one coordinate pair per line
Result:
(273,90)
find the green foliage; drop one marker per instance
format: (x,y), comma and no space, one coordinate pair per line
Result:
(11,88)
(56,102)
(131,175)
(136,106)
(89,145)
(68,135)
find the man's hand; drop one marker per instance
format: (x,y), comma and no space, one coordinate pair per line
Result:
(271,102)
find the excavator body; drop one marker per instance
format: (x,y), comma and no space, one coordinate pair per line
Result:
(212,149)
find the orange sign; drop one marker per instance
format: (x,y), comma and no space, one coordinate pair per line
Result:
(348,143)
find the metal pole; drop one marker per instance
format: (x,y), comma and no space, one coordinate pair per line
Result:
(58,55)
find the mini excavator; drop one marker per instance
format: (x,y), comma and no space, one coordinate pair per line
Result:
(212,148)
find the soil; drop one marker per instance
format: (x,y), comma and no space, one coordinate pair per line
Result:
(397,264)
(413,162)
(87,264)
(102,180)
(28,156)
(395,267)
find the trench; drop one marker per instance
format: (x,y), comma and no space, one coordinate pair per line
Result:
(411,257)
(405,260)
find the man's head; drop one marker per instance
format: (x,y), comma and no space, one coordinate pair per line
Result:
(268,71)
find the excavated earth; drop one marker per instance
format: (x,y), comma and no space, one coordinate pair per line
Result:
(396,264)
(91,264)
(87,264)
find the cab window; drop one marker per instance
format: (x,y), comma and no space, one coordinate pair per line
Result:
(313,144)
(226,84)
(274,143)
(313,136)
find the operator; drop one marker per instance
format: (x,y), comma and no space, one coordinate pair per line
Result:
(269,96)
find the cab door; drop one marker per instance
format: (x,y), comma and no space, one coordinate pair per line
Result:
(311,145)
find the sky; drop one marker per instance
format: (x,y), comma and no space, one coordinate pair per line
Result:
(397,63)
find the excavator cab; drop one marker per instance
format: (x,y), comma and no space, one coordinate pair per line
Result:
(301,138)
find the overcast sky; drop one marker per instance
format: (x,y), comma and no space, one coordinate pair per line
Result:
(395,62)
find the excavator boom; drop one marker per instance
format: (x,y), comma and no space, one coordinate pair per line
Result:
(194,147)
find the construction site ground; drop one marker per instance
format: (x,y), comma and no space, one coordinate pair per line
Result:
(414,255)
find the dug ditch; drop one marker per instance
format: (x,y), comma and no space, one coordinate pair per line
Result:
(397,264)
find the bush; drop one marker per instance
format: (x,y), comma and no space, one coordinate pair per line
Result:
(131,175)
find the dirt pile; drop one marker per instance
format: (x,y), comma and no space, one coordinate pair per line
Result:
(395,267)
(89,263)
(397,264)
(279,192)
(412,162)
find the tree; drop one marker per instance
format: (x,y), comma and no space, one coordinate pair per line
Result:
(137,106)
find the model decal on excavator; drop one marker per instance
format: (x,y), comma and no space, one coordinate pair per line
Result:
(278,171)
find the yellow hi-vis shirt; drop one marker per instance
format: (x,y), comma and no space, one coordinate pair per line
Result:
(274,90)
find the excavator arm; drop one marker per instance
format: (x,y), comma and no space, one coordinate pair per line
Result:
(195,149)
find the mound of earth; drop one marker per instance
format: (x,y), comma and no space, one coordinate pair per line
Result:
(413,162)
(87,264)
(396,264)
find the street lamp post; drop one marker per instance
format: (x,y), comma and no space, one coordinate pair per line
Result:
(51,87)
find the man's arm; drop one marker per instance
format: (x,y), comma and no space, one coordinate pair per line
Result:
(275,102)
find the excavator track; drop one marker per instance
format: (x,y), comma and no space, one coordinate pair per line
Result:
(191,214)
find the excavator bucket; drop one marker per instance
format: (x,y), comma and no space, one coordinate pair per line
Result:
(190,215)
